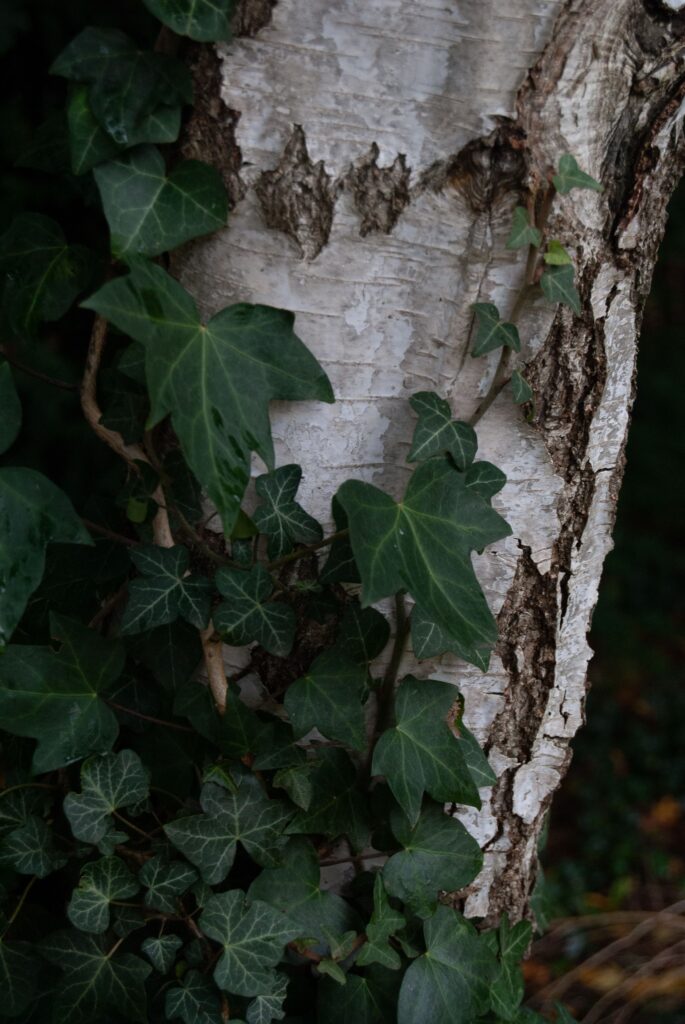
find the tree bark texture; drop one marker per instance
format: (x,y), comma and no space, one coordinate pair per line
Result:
(375,150)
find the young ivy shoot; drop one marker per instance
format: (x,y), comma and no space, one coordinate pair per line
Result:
(164,830)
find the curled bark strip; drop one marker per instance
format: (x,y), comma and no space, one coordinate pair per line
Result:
(214,664)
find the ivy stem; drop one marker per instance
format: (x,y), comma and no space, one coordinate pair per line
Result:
(386,694)
(149,718)
(502,373)
(302,552)
(118,538)
(129,824)
(64,385)
(20,904)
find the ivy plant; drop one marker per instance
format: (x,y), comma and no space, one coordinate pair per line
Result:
(191,826)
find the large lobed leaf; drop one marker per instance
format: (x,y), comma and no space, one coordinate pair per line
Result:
(203,20)
(55,697)
(423,544)
(108,783)
(164,590)
(247,615)
(215,380)
(101,882)
(329,698)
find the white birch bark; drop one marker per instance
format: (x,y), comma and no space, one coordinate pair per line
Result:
(378,151)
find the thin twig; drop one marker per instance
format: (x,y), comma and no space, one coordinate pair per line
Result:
(308,549)
(104,531)
(661,959)
(20,904)
(149,718)
(55,382)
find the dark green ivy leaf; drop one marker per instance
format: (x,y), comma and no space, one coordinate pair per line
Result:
(164,591)
(370,998)
(420,754)
(234,733)
(10,408)
(269,1006)
(20,970)
(329,698)
(450,983)
(511,944)
(337,806)
(522,231)
(215,380)
(101,882)
(279,516)
(438,854)
(340,565)
(126,84)
(55,697)
(165,881)
(436,432)
(252,938)
(30,849)
(247,615)
(247,816)
(96,981)
(385,921)
(520,387)
(149,212)
(40,273)
(557,285)
(293,888)
(570,176)
(203,20)
(161,952)
(491,331)
(195,1001)
(89,143)
(108,783)
(485,479)
(424,545)
(362,634)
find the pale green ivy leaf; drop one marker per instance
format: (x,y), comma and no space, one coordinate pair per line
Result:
(215,380)
(150,212)
(521,389)
(108,784)
(101,882)
(556,255)
(570,176)
(491,331)
(522,231)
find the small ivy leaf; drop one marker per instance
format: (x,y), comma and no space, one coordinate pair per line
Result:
(557,285)
(126,84)
(30,849)
(253,939)
(269,1006)
(522,231)
(195,1001)
(363,633)
(521,389)
(338,807)
(439,854)
(332,970)
(101,882)
(206,21)
(10,406)
(477,763)
(485,479)
(450,983)
(89,143)
(95,982)
(420,754)
(34,682)
(293,888)
(340,565)
(215,380)
(556,255)
(162,952)
(209,840)
(424,545)
(165,881)
(385,921)
(329,698)
(429,640)
(40,273)
(370,998)
(279,516)
(149,213)
(491,331)
(18,806)
(108,783)
(171,652)
(246,615)
(436,432)
(570,176)
(164,591)
(20,969)
(296,781)
(507,990)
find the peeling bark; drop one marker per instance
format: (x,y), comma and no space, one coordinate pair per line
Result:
(383,147)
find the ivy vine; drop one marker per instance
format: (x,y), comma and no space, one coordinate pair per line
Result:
(163,831)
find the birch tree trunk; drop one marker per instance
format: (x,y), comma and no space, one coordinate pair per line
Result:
(374,150)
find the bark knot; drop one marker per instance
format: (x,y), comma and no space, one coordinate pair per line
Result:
(298,197)
(380,194)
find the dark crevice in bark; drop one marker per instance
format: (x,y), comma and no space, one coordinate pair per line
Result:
(298,197)
(379,193)
(252,15)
